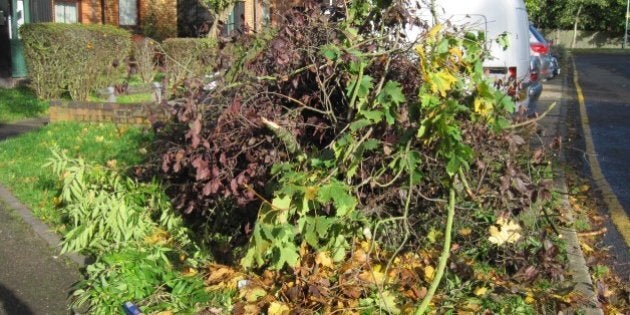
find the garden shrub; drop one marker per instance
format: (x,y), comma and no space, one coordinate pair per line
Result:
(143,53)
(188,57)
(73,58)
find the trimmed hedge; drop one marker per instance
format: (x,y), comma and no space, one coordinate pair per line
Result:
(73,58)
(188,57)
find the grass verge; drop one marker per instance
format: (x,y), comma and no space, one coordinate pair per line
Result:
(20,103)
(21,158)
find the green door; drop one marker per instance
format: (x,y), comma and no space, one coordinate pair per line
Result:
(19,16)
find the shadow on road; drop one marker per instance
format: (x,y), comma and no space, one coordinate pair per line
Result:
(10,304)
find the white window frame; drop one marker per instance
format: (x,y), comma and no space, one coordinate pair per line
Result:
(64,14)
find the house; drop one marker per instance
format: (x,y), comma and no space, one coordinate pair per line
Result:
(155,18)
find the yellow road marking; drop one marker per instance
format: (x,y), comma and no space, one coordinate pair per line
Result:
(617,213)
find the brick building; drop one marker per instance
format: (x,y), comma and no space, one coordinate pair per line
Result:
(155,17)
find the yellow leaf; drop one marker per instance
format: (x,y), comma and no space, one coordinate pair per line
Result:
(464,231)
(159,236)
(374,276)
(434,31)
(323,259)
(441,82)
(189,271)
(482,107)
(505,231)
(481,291)
(529,299)
(219,275)
(470,307)
(252,294)
(429,273)
(164,313)
(310,193)
(112,163)
(278,308)
(586,248)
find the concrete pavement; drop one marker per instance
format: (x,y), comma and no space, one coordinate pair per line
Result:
(553,125)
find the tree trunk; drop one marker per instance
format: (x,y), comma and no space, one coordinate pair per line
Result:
(575,25)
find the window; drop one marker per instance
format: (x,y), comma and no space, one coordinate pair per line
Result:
(128,12)
(66,12)
(266,17)
(235,19)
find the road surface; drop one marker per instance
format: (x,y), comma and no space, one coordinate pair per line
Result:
(602,85)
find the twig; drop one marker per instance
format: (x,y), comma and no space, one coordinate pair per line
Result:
(548,218)
(406,225)
(594,233)
(446,253)
(533,120)
(462,177)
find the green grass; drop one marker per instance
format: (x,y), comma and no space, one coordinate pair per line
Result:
(20,103)
(21,158)
(127,98)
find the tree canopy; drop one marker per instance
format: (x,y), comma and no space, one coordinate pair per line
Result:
(595,15)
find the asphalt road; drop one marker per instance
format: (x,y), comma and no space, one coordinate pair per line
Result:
(605,80)
(603,95)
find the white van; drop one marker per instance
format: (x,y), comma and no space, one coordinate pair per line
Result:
(495,18)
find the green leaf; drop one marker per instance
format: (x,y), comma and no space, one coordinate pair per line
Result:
(503,40)
(442,46)
(387,301)
(339,248)
(286,254)
(390,97)
(360,124)
(322,224)
(281,203)
(453,166)
(331,52)
(371,144)
(373,115)
(338,193)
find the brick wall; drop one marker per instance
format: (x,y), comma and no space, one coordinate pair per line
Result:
(102,112)
(156,17)
(90,12)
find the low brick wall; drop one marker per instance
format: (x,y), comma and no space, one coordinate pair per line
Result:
(136,114)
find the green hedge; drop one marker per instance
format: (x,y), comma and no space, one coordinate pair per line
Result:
(73,58)
(188,57)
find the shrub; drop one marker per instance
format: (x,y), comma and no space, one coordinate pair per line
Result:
(143,51)
(73,58)
(105,210)
(188,57)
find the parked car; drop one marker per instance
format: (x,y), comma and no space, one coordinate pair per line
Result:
(495,18)
(541,48)
(536,86)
